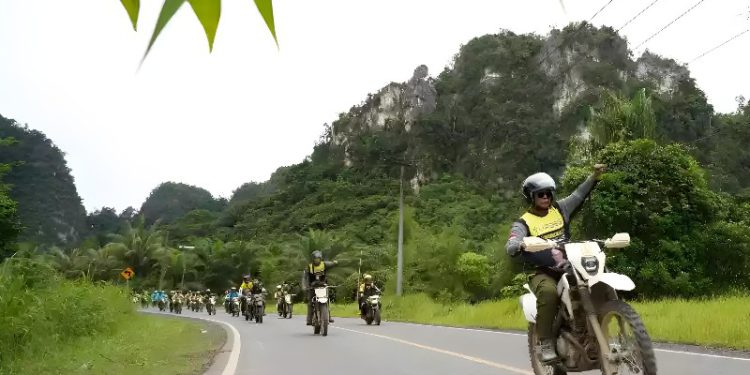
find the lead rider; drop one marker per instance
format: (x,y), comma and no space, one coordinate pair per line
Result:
(549,219)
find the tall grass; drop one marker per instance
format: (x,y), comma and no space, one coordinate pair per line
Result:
(40,311)
(720,322)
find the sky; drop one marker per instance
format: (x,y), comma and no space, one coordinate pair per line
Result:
(217,120)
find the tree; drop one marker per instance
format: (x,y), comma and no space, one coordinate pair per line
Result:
(49,207)
(170,201)
(659,194)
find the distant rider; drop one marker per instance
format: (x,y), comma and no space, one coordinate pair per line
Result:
(366,289)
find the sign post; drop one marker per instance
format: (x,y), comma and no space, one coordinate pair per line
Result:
(127,274)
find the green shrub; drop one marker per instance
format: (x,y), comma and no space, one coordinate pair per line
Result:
(39,310)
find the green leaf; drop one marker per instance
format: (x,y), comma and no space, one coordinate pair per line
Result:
(168,10)
(265,7)
(132,7)
(208,13)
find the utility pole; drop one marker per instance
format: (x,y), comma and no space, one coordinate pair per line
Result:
(400,276)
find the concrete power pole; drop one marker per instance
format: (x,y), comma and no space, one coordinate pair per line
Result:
(400,276)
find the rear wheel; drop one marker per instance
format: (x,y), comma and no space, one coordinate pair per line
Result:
(536,365)
(627,339)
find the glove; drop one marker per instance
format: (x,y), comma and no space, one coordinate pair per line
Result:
(559,258)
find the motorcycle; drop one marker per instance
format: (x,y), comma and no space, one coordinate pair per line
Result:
(177,305)
(595,330)
(256,307)
(234,306)
(286,306)
(372,309)
(211,305)
(321,313)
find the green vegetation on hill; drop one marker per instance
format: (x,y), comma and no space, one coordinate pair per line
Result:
(509,105)
(49,207)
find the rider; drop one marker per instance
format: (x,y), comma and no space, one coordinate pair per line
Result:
(246,284)
(279,295)
(315,274)
(549,219)
(366,289)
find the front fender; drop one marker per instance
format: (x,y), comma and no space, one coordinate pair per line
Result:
(616,281)
(528,305)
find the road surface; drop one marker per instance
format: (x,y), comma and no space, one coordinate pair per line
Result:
(283,346)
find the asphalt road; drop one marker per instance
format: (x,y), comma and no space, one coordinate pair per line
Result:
(283,346)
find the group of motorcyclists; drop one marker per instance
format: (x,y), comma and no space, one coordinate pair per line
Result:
(239,301)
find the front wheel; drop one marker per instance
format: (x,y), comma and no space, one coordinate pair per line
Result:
(630,346)
(377,316)
(324,317)
(536,365)
(259,315)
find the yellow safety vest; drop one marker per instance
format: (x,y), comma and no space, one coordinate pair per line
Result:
(317,270)
(550,226)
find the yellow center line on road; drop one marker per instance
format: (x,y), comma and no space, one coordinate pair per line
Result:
(501,366)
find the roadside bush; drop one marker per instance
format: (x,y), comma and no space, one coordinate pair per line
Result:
(39,310)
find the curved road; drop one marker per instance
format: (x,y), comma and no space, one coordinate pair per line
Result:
(283,346)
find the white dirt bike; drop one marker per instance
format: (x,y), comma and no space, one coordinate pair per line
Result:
(372,309)
(286,306)
(594,329)
(321,313)
(211,305)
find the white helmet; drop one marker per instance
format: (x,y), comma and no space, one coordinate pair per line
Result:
(537,182)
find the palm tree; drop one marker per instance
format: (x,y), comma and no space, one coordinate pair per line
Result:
(139,246)
(617,119)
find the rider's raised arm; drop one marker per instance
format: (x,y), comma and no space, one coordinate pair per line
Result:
(517,232)
(572,202)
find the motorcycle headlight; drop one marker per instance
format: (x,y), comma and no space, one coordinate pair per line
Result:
(590,264)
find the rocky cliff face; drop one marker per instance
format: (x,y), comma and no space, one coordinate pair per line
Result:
(509,92)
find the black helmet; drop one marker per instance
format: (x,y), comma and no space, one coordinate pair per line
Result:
(317,254)
(537,182)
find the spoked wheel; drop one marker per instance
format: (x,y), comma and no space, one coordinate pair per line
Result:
(290,311)
(538,367)
(324,316)
(316,323)
(629,344)
(377,316)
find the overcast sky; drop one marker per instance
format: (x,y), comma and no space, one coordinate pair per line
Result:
(68,68)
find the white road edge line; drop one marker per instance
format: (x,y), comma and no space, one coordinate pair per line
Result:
(717,356)
(447,352)
(234,355)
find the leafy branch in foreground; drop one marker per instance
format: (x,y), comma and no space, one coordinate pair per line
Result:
(207,11)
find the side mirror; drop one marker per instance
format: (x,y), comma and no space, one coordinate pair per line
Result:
(618,241)
(535,244)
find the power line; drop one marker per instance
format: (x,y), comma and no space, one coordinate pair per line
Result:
(637,15)
(669,24)
(720,45)
(580,28)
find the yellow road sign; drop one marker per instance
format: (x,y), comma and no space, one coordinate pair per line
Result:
(127,273)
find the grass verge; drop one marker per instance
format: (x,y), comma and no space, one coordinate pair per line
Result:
(49,325)
(144,345)
(717,322)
